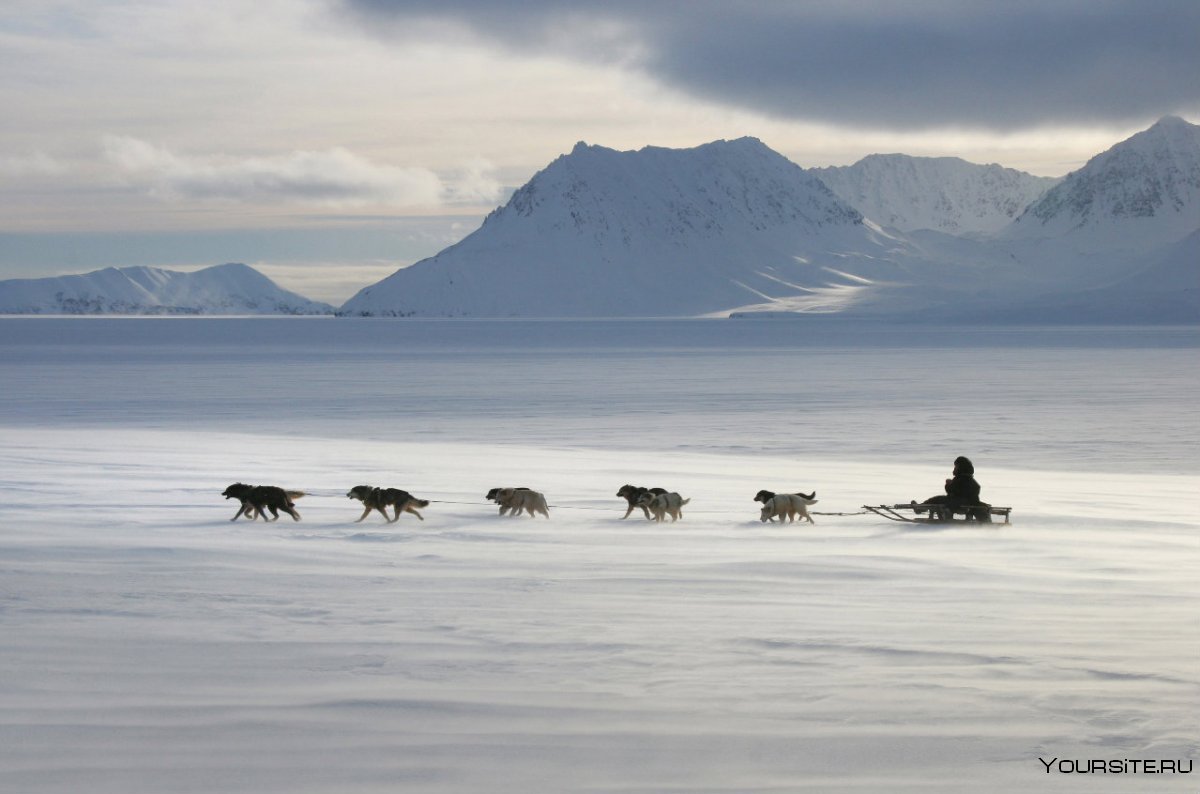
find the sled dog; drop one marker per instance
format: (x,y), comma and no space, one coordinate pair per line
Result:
(254,498)
(382,498)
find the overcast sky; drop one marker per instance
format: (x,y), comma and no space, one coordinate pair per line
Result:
(331,141)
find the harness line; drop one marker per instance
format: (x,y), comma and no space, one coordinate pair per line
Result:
(324,492)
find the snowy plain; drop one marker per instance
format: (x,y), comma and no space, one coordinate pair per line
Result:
(148,644)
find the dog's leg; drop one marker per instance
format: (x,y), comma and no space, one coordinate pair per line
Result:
(627,512)
(292,511)
(366,512)
(413,510)
(238,514)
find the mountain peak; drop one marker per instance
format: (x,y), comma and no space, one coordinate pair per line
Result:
(1151,178)
(1171,122)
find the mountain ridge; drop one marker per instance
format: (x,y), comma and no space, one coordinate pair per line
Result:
(945,194)
(231,288)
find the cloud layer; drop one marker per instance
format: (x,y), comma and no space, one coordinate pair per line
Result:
(335,177)
(914,65)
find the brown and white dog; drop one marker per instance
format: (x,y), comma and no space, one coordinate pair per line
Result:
(785,505)
(382,498)
(518,500)
(663,505)
(254,498)
(631,494)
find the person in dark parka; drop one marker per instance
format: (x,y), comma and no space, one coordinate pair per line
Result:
(962,490)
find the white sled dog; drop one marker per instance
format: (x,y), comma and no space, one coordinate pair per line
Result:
(520,500)
(663,505)
(787,505)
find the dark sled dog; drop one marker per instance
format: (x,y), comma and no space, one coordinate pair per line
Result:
(632,493)
(255,498)
(382,498)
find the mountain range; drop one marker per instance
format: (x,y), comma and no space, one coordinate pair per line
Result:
(223,289)
(733,228)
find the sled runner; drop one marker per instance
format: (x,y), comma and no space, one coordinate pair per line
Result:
(935,513)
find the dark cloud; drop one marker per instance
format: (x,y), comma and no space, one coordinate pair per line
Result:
(917,64)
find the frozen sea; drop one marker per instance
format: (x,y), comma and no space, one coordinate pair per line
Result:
(148,644)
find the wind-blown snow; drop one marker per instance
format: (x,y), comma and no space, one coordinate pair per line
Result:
(151,645)
(224,289)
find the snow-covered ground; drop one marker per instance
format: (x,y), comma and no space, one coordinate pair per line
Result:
(148,644)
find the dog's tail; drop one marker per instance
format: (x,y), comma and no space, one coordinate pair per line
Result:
(295,494)
(685,501)
(812,497)
(420,502)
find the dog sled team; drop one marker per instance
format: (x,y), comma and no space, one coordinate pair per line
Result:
(656,504)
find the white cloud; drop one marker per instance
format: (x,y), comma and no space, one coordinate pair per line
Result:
(333,177)
(475,184)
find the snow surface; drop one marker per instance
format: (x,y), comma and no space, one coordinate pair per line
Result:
(150,645)
(232,288)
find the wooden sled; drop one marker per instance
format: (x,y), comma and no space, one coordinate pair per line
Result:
(934,514)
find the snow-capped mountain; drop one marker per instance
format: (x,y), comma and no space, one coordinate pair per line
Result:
(1148,185)
(223,289)
(1129,210)
(656,232)
(946,194)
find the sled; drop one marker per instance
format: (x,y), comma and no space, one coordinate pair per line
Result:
(915,513)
